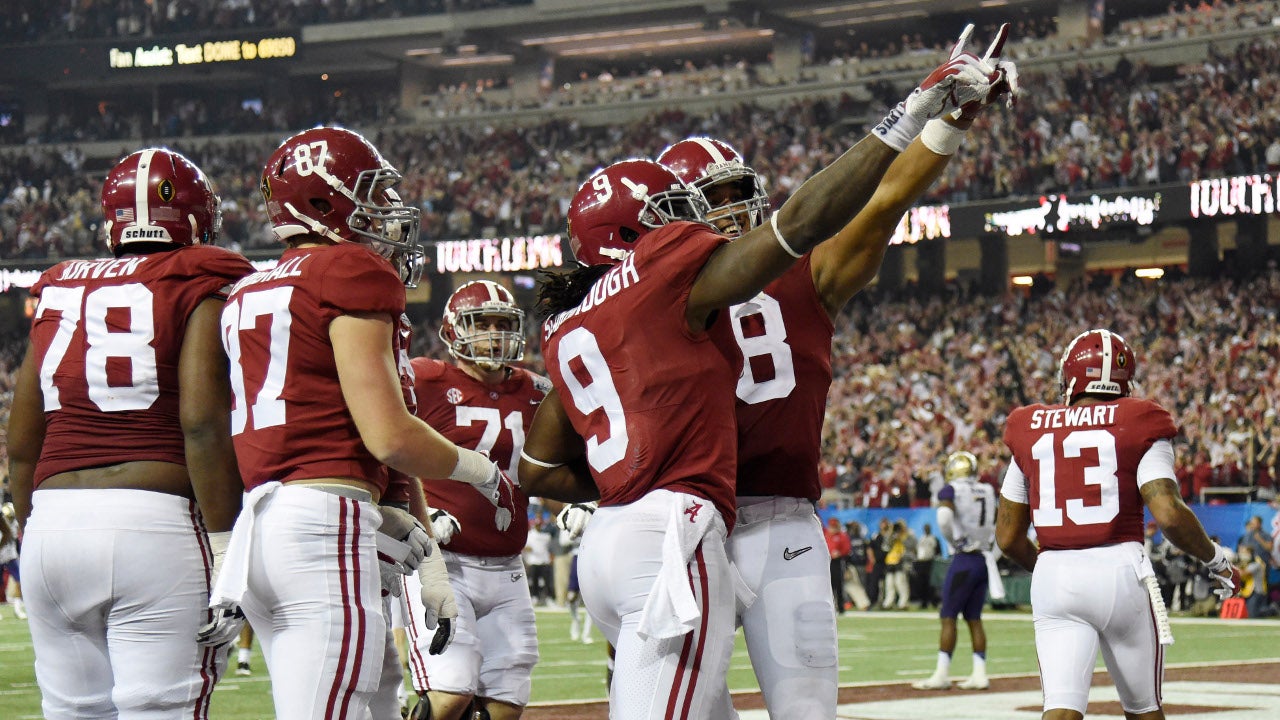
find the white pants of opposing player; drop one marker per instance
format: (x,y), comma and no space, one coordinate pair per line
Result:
(780,552)
(620,559)
(495,644)
(1083,600)
(314,600)
(116,584)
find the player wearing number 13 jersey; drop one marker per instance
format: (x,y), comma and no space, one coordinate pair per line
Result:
(1080,473)
(319,413)
(123,399)
(642,411)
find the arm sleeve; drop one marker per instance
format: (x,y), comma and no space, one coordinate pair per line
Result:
(1015,484)
(946,524)
(1157,463)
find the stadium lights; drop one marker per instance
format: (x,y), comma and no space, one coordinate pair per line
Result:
(1024,280)
(1149,273)
(864,19)
(420,52)
(665,43)
(610,34)
(494,59)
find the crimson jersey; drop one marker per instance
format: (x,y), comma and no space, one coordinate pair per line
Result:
(398,483)
(289,420)
(490,420)
(107,335)
(653,400)
(1081,465)
(782,338)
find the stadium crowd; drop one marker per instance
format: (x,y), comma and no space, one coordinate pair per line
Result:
(1084,128)
(917,378)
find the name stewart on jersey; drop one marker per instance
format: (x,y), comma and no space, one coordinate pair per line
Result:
(105,268)
(1080,416)
(290,267)
(622,276)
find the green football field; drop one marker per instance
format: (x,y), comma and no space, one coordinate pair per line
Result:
(874,648)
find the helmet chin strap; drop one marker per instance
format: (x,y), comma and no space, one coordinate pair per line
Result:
(313,225)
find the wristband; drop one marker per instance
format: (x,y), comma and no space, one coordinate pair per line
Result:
(472,468)
(941,137)
(786,246)
(1219,563)
(218,542)
(898,128)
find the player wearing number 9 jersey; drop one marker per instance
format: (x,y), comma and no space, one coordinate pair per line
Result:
(642,410)
(1081,473)
(781,339)
(319,413)
(119,426)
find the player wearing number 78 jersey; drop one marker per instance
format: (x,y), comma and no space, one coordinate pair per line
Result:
(118,432)
(1081,473)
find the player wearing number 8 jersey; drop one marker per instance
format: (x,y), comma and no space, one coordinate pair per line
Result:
(119,426)
(319,414)
(781,339)
(642,408)
(1081,473)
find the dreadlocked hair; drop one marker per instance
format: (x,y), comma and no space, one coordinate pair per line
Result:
(560,291)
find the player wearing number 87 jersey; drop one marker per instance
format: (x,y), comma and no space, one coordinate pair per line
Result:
(119,437)
(319,414)
(1081,473)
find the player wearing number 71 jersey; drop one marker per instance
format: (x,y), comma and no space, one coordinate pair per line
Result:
(119,426)
(1081,473)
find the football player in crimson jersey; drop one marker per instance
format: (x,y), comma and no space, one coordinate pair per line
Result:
(319,415)
(1089,465)
(781,340)
(641,413)
(120,452)
(481,401)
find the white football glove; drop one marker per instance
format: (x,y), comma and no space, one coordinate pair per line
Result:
(444,526)
(441,610)
(963,78)
(573,519)
(227,618)
(492,489)
(402,544)
(224,628)
(1225,575)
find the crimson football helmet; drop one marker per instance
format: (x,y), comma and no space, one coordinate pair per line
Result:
(622,202)
(707,165)
(331,182)
(157,195)
(1096,361)
(468,337)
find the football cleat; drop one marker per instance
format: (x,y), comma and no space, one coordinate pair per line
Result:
(244,669)
(974,682)
(934,682)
